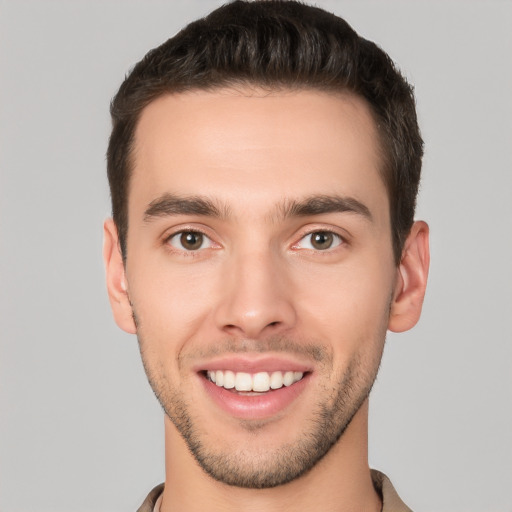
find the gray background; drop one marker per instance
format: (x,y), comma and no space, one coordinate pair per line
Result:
(79,427)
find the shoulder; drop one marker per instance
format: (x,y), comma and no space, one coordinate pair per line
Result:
(391,502)
(149,502)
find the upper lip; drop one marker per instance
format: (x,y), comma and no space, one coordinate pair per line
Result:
(253,364)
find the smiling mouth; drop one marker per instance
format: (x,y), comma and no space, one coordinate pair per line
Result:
(260,382)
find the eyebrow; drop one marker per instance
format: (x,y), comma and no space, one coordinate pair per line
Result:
(171,204)
(321,204)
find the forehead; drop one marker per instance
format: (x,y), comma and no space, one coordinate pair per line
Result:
(229,142)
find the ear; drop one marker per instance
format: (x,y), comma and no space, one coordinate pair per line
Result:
(411,280)
(116,279)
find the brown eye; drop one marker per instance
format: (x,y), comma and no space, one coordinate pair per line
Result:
(320,241)
(190,241)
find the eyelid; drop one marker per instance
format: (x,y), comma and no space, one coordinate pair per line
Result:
(343,240)
(179,230)
(177,236)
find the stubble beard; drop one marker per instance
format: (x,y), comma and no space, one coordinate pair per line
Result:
(242,467)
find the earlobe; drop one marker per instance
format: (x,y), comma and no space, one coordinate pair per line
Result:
(116,279)
(411,282)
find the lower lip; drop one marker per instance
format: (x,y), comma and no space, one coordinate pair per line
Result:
(255,406)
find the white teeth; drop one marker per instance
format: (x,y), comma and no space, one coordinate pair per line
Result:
(276,380)
(229,379)
(243,381)
(260,382)
(288,379)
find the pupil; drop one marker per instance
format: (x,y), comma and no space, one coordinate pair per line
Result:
(191,241)
(322,240)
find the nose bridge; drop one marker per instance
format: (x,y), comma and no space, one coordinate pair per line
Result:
(256,296)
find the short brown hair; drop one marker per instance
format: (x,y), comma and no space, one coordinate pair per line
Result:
(275,44)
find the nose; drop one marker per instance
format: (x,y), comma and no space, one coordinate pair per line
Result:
(257,296)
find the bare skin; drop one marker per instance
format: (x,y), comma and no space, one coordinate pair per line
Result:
(259,238)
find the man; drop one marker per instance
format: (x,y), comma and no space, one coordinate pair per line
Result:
(264,165)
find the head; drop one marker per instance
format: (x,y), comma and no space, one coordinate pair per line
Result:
(275,46)
(264,165)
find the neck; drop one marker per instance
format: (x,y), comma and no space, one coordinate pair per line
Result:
(340,482)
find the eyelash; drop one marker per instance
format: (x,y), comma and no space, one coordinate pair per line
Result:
(188,252)
(338,241)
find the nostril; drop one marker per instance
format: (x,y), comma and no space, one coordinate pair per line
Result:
(251,331)
(232,329)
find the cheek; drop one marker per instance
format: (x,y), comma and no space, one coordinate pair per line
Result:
(170,303)
(348,304)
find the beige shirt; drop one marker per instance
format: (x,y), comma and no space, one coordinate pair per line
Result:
(391,502)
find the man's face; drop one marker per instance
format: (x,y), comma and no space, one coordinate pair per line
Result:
(259,255)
